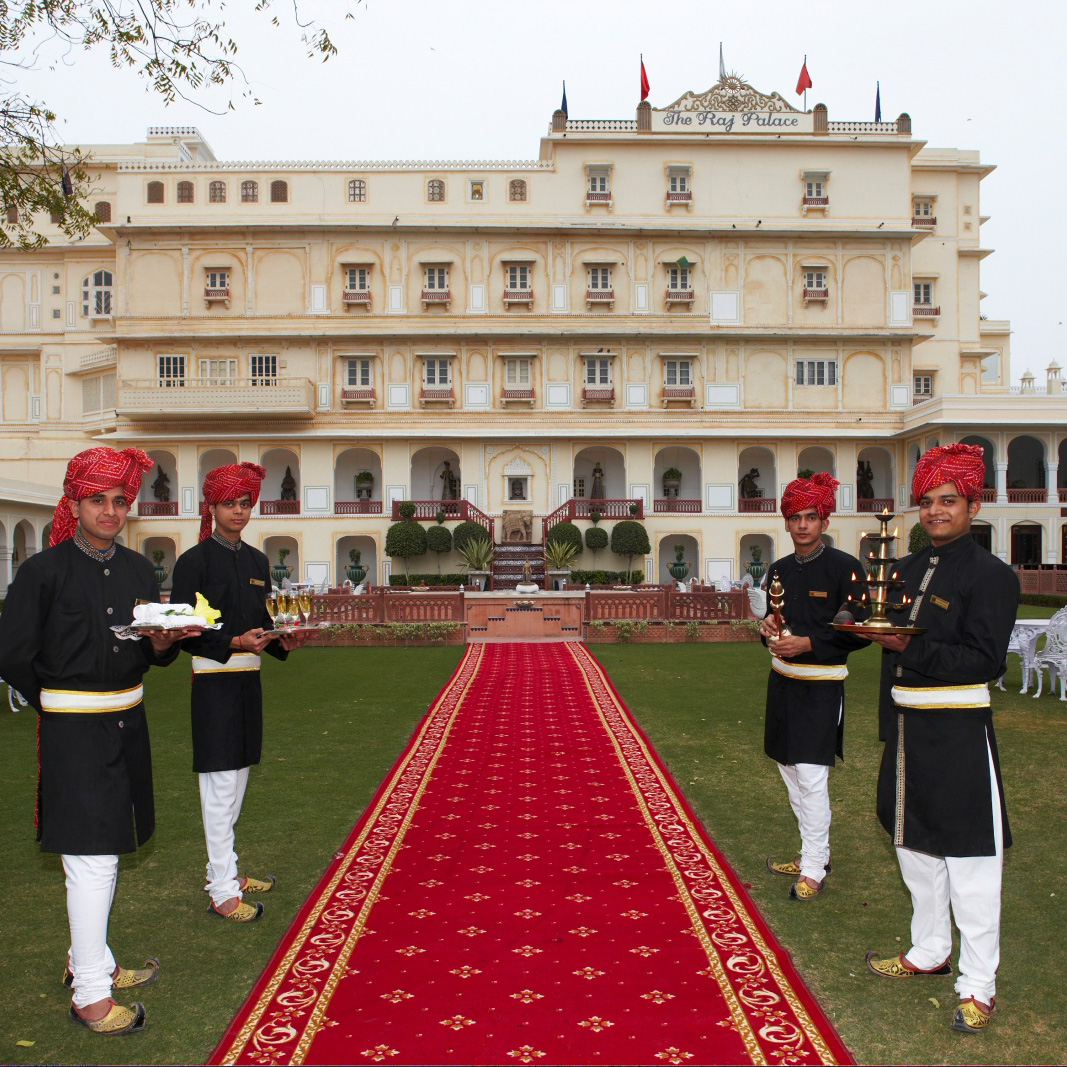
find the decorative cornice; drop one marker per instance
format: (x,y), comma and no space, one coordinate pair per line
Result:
(361,166)
(731,94)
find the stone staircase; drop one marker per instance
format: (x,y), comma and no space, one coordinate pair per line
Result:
(508,562)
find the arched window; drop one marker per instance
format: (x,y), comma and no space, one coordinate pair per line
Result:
(279,192)
(435,190)
(12,215)
(517,189)
(185,192)
(216,193)
(102,211)
(249,193)
(357,191)
(155,193)
(96,294)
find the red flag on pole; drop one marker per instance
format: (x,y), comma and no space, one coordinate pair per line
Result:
(644,80)
(804,81)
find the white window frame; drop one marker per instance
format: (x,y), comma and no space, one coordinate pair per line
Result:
(217,370)
(578,488)
(598,278)
(518,372)
(516,276)
(98,292)
(476,189)
(596,372)
(817,372)
(922,383)
(217,278)
(436,372)
(923,207)
(922,292)
(357,279)
(359,374)
(170,370)
(678,372)
(678,278)
(435,278)
(263,368)
(815,278)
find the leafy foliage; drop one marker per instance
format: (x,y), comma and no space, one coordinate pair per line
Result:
(466,532)
(477,554)
(629,538)
(439,540)
(568,533)
(405,540)
(180,47)
(596,539)
(558,554)
(918,538)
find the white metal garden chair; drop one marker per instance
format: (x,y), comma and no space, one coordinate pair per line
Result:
(1053,657)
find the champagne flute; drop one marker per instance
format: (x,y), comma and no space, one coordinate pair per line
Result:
(304,600)
(283,607)
(272,608)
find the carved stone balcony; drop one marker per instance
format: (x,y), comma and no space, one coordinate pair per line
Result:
(811,295)
(516,395)
(680,200)
(518,296)
(152,509)
(598,395)
(436,298)
(437,396)
(924,222)
(814,203)
(357,507)
(358,396)
(599,200)
(279,507)
(217,294)
(926,311)
(213,398)
(600,296)
(355,298)
(679,394)
(679,296)
(757,505)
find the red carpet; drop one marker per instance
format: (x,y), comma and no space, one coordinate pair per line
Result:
(528,887)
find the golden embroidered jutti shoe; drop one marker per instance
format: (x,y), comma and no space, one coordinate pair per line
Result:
(900,968)
(119,1020)
(256,885)
(789,868)
(243,913)
(802,891)
(972,1016)
(125,977)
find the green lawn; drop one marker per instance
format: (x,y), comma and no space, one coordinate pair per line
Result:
(336,720)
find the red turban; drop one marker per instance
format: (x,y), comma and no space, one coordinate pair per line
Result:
(961,464)
(815,492)
(91,472)
(229,483)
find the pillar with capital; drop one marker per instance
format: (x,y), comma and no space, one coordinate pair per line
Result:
(1002,482)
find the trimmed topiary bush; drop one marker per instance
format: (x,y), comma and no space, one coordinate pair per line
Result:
(439,540)
(629,538)
(918,538)
(568,534)
(406,510)
(405,540)
(596,539)
(466,532)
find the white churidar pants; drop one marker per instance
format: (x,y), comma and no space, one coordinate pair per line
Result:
(964,888)
(91,882)
(221,796)
(809,796)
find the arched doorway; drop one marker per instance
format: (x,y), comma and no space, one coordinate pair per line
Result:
(436,475)
(368,557)
(815,459)
(159,487)
(1026,548)
(982,532)
(163,547)
(599,474)
(280,494)
(679,493)
(667,554)
(757,481)
(1026,471)
(357,483)
(989,459)
(874,480)
(275,547)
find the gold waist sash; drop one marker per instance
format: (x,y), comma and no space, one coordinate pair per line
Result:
(239,661)
(80,702)
(941,696)
(809,672)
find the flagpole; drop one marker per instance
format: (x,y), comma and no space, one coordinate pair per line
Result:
(805,87)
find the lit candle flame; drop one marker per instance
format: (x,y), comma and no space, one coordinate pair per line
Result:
(896,531)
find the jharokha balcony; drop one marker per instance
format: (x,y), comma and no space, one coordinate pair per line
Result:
(680,198)
(358,396)
(926,311)
(149,509)
(212,294)
(355,298)
(600,296)
(679,296)
(214,398)
(515,395)
(437,396)
(518,296)
(822,294)
(674,394)
(926,222)
(592,395)
(814,203)
(436,298)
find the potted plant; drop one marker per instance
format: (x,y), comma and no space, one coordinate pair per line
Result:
(477,556)
(679,569)
(364,485)
(355,570)
(756,567)
(281,570)
(672,480)
(558,556)
(161,572)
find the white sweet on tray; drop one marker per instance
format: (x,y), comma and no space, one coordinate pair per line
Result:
(168,616)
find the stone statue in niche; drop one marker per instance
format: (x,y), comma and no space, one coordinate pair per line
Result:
(597,492)
(288,485)
(747,486)
(161,486)
(864,480)
(449,483)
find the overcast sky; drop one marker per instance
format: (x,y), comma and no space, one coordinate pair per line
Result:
(479,79)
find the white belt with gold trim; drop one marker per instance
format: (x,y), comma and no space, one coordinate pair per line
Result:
(239,661)
(941,696)
(81,702)
(810,672)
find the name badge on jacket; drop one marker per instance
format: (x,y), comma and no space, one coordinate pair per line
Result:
(257,581)
(939,603)
(818,592)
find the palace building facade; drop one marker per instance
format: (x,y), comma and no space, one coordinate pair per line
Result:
(666,317)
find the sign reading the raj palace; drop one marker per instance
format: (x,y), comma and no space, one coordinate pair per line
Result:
(731,106)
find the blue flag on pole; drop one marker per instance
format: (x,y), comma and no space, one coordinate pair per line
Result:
(878,102)
(563,106)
